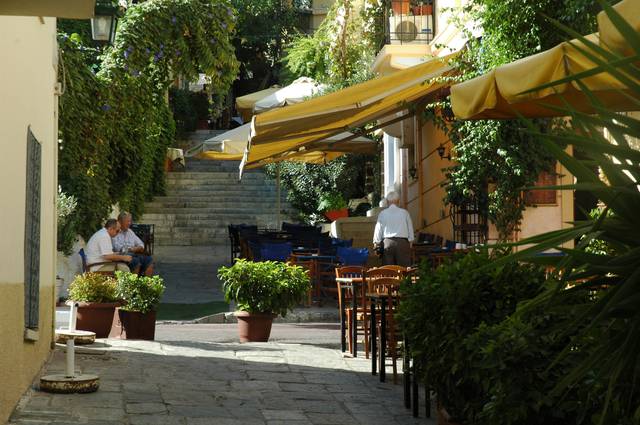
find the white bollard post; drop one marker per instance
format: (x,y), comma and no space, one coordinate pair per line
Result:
(71,358)
(72,316)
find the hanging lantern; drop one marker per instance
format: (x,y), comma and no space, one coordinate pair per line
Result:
(103,24)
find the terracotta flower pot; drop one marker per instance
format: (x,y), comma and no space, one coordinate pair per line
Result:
(254,327)
(95,317)
(336,214)
(400,7)
(425,9)
(133,325)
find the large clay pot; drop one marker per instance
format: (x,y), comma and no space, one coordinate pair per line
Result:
(424,9)
(133,325)
(254,327)
(336,214)
(400,7)
(95,317)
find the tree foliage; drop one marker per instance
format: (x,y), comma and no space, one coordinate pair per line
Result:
(264,28)
(115,123)
(341,51)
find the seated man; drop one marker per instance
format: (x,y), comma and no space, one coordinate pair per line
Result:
(129,243)
(99,249)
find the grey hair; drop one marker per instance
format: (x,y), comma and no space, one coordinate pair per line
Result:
(123,215)
(393,197)
(111,223)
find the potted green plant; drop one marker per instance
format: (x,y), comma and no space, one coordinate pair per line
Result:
(97,300)
(136,319)
(261,291)
(333,206)
(419,8)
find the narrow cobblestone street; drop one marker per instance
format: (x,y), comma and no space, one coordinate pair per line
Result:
(196,374)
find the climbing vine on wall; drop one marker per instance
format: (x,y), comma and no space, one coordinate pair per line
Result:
(115,124)
(496,160)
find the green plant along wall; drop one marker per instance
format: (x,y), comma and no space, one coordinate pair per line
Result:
(498,154)
(115,123)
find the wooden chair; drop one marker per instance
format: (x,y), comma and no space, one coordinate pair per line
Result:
(87,267)
(389,286)
(362,307)
(400,269)
(310,267)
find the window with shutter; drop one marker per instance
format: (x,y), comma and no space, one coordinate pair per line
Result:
(542,196)
(32,233)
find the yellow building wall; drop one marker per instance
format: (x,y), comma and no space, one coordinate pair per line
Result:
(434,217)
(28,55)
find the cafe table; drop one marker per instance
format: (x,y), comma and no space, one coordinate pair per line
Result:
(354,284)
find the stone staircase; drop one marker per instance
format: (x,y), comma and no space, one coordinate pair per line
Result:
(204,199)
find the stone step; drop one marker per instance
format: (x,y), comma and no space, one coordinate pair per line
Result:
(208,201)
(225,210)
(199,175)
(167,223)
(207,190)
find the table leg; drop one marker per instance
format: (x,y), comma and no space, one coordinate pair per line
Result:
(414,387)
(373,338)
(406,373)
(383,339)
(343,321)
(354,318)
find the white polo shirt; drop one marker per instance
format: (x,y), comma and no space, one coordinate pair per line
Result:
(99,244)
(393,222)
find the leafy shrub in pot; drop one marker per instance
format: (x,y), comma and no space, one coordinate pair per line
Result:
(97,300)
(460,296)
(93,287)
(264,286)
(140,293)
(136,319)
(262,290)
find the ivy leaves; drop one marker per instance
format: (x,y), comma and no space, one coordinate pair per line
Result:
(115,123)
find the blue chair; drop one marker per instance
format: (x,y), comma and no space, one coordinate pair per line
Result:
(275,251)
(346,243)
(353,256)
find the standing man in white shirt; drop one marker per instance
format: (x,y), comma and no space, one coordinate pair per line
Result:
(394,231)
(100,250)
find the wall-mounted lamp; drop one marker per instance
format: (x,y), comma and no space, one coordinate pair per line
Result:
(441,150)
(103,24)
(413,172)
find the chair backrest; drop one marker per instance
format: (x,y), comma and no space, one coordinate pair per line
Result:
(83,257)
(275,251)
(382,272)
(450,245)
(146,234)
(352,256)
(350,271)
(384,285)
(400,269)
(347,243)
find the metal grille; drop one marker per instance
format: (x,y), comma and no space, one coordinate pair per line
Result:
(469,223)
(32,233)
(409,22)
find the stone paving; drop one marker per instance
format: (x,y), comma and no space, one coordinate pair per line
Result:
(188,377)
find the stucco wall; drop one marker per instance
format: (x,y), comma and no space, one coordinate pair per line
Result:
(27,83)
(435,215)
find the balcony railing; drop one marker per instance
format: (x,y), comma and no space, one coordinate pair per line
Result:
(410,22)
